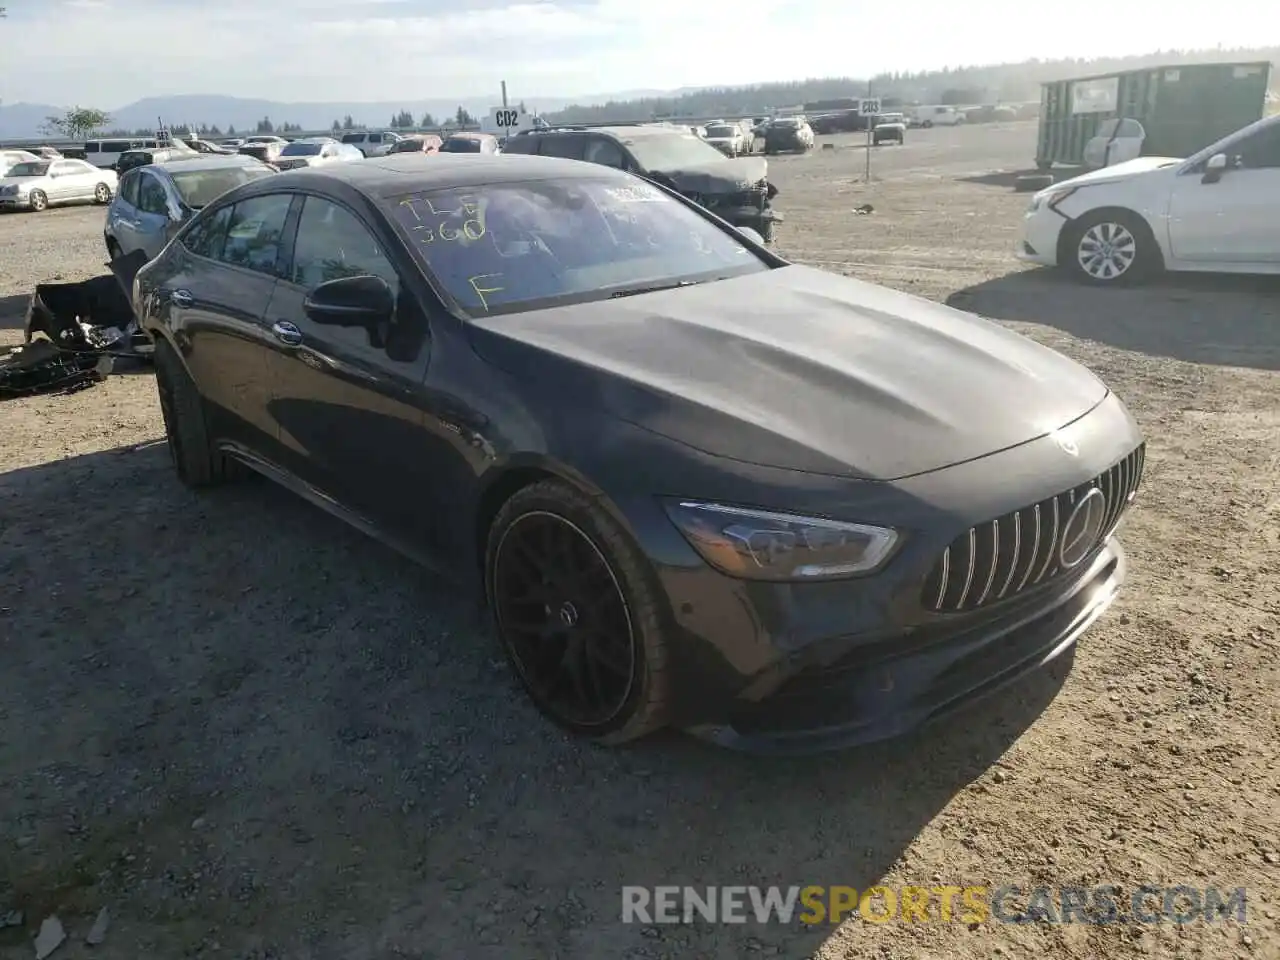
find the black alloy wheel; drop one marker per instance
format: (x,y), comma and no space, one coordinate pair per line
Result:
(576,614)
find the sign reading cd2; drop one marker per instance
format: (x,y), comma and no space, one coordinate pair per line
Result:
(506,117)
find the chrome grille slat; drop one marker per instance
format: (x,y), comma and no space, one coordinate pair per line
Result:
(994,562)
(968,574)
(1035,548)
(984,579)
(943,577)
(1017,548)
(1053,542)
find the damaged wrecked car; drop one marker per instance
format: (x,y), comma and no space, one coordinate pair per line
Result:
(735,189)
(696,485)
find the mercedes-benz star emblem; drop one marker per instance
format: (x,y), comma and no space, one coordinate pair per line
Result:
(1082,529)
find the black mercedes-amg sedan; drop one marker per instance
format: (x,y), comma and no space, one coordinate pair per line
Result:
(695,484)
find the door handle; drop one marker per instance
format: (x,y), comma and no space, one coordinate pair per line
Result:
(181,298)
(286,332)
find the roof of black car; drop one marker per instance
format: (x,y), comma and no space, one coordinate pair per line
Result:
(405,172)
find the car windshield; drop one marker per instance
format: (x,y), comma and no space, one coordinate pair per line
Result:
(721,130)
(787,124)
(30,169)
(673,151)
(461,145)
(302,150)
(199,188)
(511,247)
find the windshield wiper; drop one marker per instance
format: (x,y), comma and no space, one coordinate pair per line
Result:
(652,288)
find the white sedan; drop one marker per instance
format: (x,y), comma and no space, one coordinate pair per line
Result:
(1215,212)
(38,184)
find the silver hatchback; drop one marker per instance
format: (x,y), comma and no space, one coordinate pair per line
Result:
(155,200)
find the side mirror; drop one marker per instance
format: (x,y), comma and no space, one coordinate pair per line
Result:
(751,234)
(1215,167)
(350,302)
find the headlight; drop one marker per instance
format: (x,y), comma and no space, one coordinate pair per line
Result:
(1049,198)
(762,545)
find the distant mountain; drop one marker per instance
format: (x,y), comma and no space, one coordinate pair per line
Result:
(20,120)
(24,119)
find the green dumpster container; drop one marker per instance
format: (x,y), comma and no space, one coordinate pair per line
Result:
(1182,108)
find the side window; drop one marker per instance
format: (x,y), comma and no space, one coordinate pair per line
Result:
(129,188)
(517,144)
(605,152)
(92,146)
(62,168)
(332,243)
(253,234)
(152,197)
(375,138)
(570,147)
(209,232)
(1260,151)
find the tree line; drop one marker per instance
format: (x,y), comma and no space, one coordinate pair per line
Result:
(997,83)
(81,122)
(992,84)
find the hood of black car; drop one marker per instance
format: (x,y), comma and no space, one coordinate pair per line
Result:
(719,176)
(799,369)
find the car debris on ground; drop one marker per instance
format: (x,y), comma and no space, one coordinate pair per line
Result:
(74,333)
(51,936)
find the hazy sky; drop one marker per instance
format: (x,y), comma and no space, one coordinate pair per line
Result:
(108,53)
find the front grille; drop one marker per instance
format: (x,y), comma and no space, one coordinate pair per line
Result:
(752,197)
(1001,558)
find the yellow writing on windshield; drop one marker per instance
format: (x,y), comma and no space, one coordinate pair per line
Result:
(483,291)
(462,219)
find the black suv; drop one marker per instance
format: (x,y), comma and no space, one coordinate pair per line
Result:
(736,190)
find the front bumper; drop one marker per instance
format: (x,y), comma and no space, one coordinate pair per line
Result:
(1041,232)
(804,667)
(14,203)
(884,692)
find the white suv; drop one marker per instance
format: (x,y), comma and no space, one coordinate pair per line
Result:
(372,143)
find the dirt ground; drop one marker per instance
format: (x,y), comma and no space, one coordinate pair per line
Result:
(249,732)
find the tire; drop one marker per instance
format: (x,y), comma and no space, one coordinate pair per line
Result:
(1133,253)
(186,431)
(632,617)
(39,201)
(113,249)
(928,124)
(101,194)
